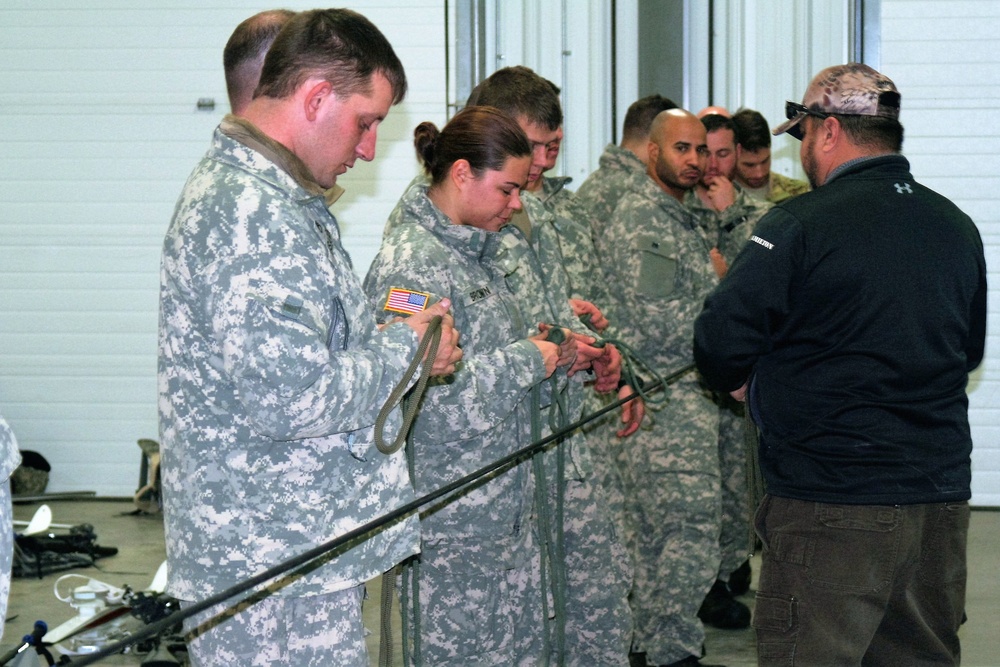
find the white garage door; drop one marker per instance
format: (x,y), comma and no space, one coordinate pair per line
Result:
(944,56)
(100,130)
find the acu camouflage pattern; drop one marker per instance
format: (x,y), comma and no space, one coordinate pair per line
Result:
(10,458)
(605,187)
(658,271)
(598,624)
(734,227)
(571,221)
(316,631)
(479,593)
(271,374)
(479,414)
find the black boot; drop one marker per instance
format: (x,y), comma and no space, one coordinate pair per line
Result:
(739,579)
(721,610)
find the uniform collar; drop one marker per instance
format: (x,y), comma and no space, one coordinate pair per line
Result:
(248,134)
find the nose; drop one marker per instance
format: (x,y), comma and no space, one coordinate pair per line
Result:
(538,155)
(366,147)
(515,201)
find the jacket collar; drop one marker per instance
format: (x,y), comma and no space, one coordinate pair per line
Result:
(248,134)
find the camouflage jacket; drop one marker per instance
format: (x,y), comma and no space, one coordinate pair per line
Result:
(10,456)
(658,272)
(481,412)
(554,191)
(783,187)
(535,271)
(271,374)
(732,227)
(571,223)
(605,187)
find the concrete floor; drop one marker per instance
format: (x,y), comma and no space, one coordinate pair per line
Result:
(139,539)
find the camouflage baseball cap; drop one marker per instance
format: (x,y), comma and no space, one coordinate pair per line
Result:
(849,90)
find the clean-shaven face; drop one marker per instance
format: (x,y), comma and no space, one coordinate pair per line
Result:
(347,132)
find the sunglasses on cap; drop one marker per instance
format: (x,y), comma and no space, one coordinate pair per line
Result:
(794,110)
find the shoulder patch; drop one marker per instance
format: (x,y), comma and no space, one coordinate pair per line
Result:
(759,241)
(407,301)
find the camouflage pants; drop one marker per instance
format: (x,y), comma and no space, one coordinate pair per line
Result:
(673,504)
(473,618)
(6,547)
(609,473)
(313,631)
(598,580)
(734,537)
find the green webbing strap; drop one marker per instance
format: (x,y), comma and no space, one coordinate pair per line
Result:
(411,579)
(542,509)
(558,418)
(404,603)
(429,347)
(385,636)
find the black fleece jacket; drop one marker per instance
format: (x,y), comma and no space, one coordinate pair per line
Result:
(859,308)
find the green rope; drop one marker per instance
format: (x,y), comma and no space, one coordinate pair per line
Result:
(558,418)
(385,636)
(411,577)
(542,509)
(429,346)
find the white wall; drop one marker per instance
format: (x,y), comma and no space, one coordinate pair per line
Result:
(100,131)
(568,43)
(944,56)
(766,53)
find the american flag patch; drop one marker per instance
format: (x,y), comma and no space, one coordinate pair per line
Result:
(406,301)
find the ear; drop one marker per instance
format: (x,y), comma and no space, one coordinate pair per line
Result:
(653,151)
(832,133)
(317,94)
(461,173)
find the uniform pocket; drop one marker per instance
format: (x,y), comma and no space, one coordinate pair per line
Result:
(657,267)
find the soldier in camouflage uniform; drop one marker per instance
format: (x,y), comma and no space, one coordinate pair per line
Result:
(10,458)
(729,215)
(474,592)
(659,272)
(271,367)
(605,187)
(596,573)
(753,161)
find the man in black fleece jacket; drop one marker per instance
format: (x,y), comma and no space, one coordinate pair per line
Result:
(850,322)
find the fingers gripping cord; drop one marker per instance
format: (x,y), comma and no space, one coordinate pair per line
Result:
(427,350)
(630,361)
